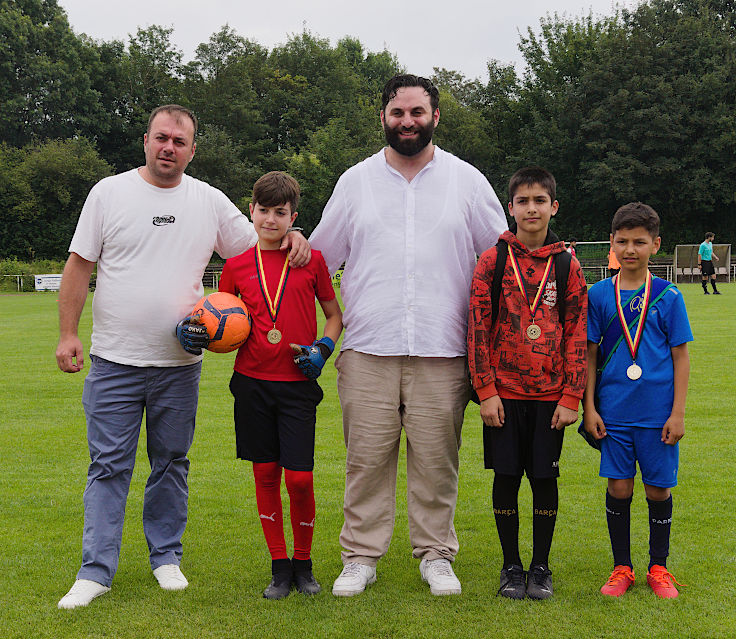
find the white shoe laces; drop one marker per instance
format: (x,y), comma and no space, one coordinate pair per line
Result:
(351,569)
(441,568)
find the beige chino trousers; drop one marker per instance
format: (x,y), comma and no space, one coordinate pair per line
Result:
(380,396)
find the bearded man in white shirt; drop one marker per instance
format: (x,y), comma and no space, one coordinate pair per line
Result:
(408,223)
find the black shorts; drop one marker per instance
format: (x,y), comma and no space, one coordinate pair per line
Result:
(526,442)
(275,421)
(707,267)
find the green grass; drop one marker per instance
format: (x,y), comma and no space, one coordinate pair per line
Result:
(43,461)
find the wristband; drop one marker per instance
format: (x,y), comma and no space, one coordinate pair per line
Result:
(294,228)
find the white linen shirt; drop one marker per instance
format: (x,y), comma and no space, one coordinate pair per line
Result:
(409,250)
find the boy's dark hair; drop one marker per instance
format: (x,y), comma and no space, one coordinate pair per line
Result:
(572,240)
(275,188)
(409,80)
(635,214)
(531,175)
(709,235)
(177,111)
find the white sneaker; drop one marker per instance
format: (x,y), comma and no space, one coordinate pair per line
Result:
(81,594)
(353,579)
(440,577)
(170,577)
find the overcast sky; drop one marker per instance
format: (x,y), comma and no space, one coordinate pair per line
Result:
(456,34)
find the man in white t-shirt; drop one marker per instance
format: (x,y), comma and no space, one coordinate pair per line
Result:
(407,223)
(151,231)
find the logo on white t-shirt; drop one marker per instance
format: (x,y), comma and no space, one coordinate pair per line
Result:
(162,220)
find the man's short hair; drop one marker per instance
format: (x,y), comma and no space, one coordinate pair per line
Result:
(175,110)
(408,80)
(530,175)
(276,188)
(709,235)
(634,215)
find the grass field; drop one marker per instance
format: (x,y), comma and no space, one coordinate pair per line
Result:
(43,462)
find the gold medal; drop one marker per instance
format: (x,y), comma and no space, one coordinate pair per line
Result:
(274,335)
(634,371)
(533,331)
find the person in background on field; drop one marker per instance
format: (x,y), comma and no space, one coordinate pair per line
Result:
(634,405)
(705,263)
(571,248)
(408,223)
(151,231)
(274,382)
(613,265)
(528,368)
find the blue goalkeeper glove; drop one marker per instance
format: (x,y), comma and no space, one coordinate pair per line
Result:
(192,336)
(311,359)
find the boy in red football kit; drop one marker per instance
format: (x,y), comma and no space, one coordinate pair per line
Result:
(273,384)
(526,351)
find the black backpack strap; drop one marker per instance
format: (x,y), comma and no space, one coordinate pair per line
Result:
(562,273)
(502,252)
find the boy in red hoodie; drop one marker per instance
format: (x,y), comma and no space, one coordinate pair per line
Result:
(528,368)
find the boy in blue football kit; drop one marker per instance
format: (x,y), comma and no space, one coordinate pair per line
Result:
(705,263)
(634,403)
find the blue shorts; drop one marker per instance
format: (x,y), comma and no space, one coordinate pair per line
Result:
(623,446)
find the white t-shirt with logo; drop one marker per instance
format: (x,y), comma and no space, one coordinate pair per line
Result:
(151,246)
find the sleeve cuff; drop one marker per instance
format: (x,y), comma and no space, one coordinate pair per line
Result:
(569,401)
(486,392)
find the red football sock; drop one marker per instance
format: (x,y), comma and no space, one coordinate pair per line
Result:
(301,506)
(268,498)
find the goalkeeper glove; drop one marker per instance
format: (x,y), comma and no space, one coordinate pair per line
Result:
(311,359)
(192,336)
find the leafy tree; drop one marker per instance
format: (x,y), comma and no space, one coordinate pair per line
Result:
(218,162)
(15,194)
(50,183)
(331,150)
(45,74)
(637,106)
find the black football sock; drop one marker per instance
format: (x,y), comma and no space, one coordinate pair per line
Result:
(506,512)
(660,522)
(713,284)
(544,496)
(705,285)
(618,514)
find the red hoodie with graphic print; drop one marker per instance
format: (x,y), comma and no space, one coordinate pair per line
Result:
(503,360)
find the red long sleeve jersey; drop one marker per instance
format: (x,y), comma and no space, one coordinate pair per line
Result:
(503,360)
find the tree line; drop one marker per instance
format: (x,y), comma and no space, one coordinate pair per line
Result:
(636,105)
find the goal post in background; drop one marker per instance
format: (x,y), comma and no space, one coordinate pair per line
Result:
(686,263)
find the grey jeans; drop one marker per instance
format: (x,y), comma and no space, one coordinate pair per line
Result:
(114,398)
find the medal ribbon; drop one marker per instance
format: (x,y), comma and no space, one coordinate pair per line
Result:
(633,343)
(273,308)
(522,284)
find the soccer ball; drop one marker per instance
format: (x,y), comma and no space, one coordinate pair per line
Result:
(226,319)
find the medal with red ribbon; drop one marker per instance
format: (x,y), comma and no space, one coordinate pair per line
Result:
(274,335)
(634,371)
(532,331)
